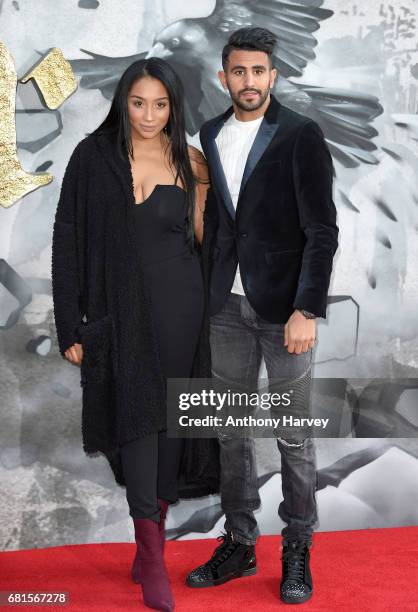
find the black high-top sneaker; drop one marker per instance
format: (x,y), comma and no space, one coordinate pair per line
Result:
(296,582)
(230,560)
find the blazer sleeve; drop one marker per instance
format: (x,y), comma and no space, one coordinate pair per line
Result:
(313,180)
(66,273)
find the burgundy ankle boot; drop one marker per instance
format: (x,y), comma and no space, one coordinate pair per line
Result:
(161,525)
(136,566)
(155,583)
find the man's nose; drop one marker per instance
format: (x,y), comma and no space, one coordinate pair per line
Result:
(249,80)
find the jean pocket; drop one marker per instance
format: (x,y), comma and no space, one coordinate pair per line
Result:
(97,343)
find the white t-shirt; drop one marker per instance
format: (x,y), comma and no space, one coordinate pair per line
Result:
(234,142)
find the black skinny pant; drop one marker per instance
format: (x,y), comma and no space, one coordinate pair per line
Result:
(151,466)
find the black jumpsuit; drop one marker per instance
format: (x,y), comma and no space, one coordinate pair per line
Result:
(174,280)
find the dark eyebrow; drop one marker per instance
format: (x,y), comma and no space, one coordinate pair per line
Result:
(258,67)
(156,100)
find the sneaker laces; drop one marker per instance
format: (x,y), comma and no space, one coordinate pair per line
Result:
(223,551)
(294,560)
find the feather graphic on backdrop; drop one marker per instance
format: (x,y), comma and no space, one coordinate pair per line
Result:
(194,46)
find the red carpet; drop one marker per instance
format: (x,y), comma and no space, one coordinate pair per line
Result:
(374,569)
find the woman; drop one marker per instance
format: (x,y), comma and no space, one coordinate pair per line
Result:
(129,300)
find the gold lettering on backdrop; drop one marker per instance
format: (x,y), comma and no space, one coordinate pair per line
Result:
(54,77)
(14,181)
(56,81)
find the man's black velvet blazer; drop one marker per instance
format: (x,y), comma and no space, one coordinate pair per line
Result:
(283,232)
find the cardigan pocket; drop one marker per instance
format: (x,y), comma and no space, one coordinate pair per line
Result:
(97,340)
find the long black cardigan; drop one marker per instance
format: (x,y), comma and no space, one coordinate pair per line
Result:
(101,300)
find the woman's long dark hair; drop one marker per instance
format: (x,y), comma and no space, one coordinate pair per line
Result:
(117,121)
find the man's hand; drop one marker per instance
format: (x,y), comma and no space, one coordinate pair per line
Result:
(299,333)
(74,354)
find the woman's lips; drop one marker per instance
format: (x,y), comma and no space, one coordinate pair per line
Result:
(147,128)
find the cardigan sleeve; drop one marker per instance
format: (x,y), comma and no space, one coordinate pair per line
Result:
(66,287)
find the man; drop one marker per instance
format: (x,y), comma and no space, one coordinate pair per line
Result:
(270,229)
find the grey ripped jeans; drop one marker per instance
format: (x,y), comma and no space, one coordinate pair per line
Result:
(239,339)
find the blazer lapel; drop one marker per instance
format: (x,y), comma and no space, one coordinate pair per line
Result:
(217,170)
(264,136)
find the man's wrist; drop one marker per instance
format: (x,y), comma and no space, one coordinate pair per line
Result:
(306,313)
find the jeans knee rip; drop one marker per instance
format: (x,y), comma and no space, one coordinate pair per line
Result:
(295,443)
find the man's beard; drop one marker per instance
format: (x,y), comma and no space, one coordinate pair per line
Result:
(250,105)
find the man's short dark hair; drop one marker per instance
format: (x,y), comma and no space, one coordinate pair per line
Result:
(250,39)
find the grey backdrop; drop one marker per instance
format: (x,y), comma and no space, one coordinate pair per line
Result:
(51,492)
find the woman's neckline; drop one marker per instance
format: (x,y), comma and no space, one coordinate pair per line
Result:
(155,189)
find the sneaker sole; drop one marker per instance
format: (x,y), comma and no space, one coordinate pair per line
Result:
(211,583)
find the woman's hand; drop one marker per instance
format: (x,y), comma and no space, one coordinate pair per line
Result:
(75,354)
